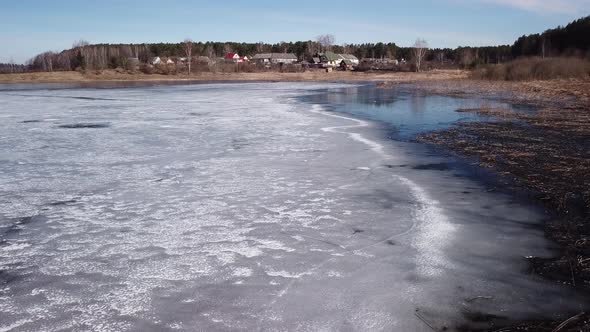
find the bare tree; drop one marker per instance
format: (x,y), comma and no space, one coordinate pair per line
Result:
(466,57)
(227,49)
(325,41)
(80,43)
(312,48)
(188,51)
(419,51)
(283,46)
(346,49)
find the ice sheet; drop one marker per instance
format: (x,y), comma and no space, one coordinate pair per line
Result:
(241,207)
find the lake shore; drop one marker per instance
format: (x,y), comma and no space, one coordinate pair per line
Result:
(547,153)
(312,76)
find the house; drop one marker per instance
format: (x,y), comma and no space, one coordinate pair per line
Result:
(156,60)
(346,64)
(275,58)
(233,57)
(330,59)
(169,62)
(350,57)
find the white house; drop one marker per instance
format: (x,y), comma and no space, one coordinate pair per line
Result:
(330,59)
(156,61)
(353,59)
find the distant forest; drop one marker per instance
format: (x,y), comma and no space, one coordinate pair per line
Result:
(571,40)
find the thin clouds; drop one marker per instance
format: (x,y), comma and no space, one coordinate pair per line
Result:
(581,7)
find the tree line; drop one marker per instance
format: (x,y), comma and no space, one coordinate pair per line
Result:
(103,56)
(573,39)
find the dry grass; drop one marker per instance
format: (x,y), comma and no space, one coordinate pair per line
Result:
(529,69)
(316,75)
(573,93)
(486,109)
(547,152)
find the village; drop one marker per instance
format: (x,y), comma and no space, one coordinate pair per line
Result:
(327,61)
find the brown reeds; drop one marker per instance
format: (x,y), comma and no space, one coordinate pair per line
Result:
(530,69)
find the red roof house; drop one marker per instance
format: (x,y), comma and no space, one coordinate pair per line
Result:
(235,57)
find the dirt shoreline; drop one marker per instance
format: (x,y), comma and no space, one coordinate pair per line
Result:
(311,76)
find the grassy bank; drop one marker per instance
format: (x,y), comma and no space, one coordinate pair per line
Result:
(316,75)
(546,152)
(529,69)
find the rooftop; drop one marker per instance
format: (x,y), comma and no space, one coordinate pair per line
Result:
(275,56)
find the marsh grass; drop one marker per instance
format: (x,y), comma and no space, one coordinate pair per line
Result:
(529,69)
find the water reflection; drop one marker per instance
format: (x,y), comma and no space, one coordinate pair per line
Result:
(408,110)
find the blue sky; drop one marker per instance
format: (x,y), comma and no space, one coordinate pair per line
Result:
(28,27)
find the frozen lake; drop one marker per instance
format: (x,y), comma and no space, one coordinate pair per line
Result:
(260,206)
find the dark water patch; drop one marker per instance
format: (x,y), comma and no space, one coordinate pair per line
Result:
(7,277)
(484,323)
(84,125)
(90,98)
(357,231)
(238,144)
(17,224)
(31,121)
(479,298)
(59,203)
(126,230)
(395,166)
(151,248)
(391,242)
(433,167)
(198,114)
(384,199)
(480,317)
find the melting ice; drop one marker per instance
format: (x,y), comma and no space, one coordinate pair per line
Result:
(242,207)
